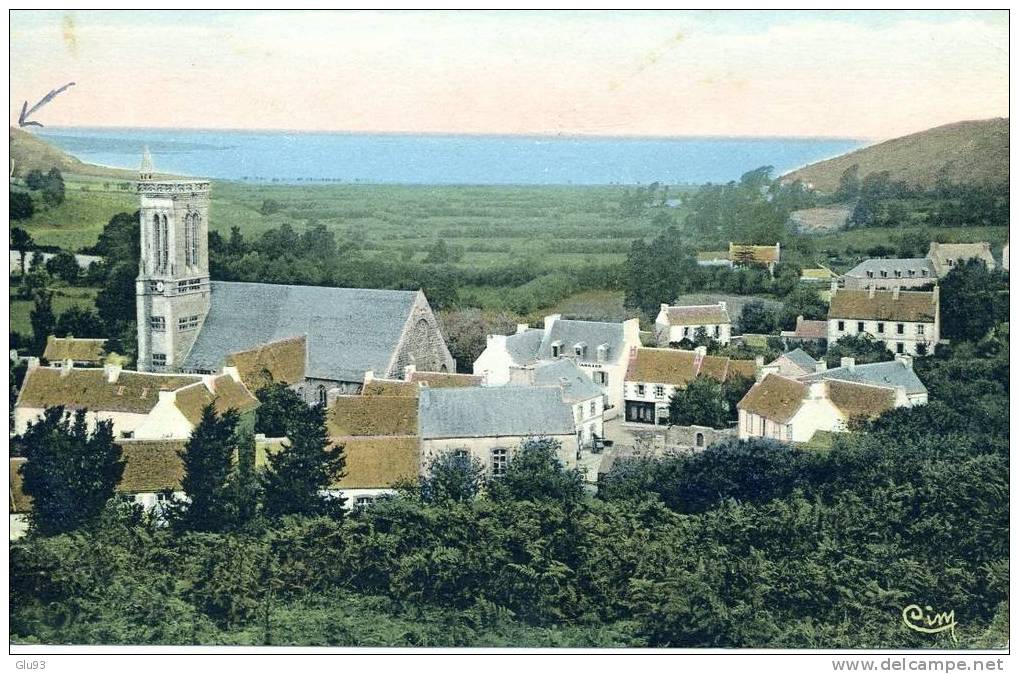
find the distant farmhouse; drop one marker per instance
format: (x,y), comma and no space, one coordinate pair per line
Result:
(889,273)
(675,323)
(81,352)
(189,324)
(742,255)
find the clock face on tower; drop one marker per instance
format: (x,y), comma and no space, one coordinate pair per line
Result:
(159,286)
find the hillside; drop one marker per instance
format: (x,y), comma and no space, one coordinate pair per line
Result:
(972,152)
(29,152)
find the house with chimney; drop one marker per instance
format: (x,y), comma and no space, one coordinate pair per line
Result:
(80,351)
(806,332)
(653,375)
(140,405)
(742,255)
(888,273)
(793,409)
(947,256)
(599,349)
(578,391)
(675,323)
(907,321)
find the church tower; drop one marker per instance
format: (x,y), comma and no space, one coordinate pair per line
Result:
(173,291)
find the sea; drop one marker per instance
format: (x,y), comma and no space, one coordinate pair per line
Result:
(329,157)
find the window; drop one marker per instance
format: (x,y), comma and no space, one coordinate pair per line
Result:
(842,326)
(898,273)
(362,503)
(127,435)
(500,461)
(686,332)
(159,359)
(789,432)
(196,219)
(881,328)
(322,395)
(557,349)
(189,285)
(699,440)
(859,326)
(461,453)
(912,272)
(601,377)
(640,389)
(919,329)
(187,322)
(157,323)
(165,254)
(594,407)
(899,348)
(717,331)
(580,350)
(923,272)
(884,274)
(870,274)
(163,497)
(659,391)
(900,328)
(762,426)
(153,286)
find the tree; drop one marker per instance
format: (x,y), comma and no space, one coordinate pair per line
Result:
(973,300)
(70,473)
(53,188)
(270,206)
(78,322)
(466,332)
(21,241)
(849,184)
(22,207)
(305,466)
(862,348)
(701,403)
(35,179)
(452,476)
(208,462)
(658,272)
(279,410)
(64,266)
(535,473)
(756,318)
(115,303)
(42,320)
(120,240)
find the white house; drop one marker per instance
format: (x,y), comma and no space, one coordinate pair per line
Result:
(490,423)
(676,323)
(946,256)
(578,391)
(795,364)
(654,375)
(907,321)
(141,405)
(599,349)
(896,374)
(888,273)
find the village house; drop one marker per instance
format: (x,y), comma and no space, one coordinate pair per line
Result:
(794,364)
(675,323)
(578,390)
(947,256)
(811,333)
(140,405)
(742,255)
(885,274)
(81,352)
(490,423)
(896,374)
(189,324)
(599,349)
(653,375)
(279,362)
(907,321)
(789,410)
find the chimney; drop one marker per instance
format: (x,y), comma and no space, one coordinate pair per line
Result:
(32,362)
(799,322)
(870,291)
(849,363)
(232,372)
(759,362)
(408,372)
(331,396)
(550,320)
(721,305)
(834,286)
(822,366)
(816,390)
(935,295)
(665,307)
(522,327)
(112,372)
(495,340)
(699,353)
(65,367)
(765,371)
(905,359)
(368,376)
(895,293)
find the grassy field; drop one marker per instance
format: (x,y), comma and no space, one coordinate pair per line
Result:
(63,299)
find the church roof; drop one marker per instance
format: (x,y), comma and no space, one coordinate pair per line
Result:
(348,330)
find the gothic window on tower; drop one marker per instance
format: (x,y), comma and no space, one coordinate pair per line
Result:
(187,239)
(165,256)
(196,219)
(157,246)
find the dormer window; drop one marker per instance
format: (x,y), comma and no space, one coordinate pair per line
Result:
(898,273)
(884,274)
(603,353)
(870,274)
(580,349)
(557,349)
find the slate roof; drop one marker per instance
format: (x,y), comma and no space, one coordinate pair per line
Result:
(446,379)
(226,394)
(372,415)
(707,314)
(514,411)
(151,465)
(576,384)
(348,330)
(284,359)
(74,348)
(591,333)
(678,368)
(920,266)
(523,346)
(892,373)
(88,388)
(801,359)
(378,462)
(775,397)
(912,305)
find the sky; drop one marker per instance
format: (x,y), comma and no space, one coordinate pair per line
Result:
(868,75)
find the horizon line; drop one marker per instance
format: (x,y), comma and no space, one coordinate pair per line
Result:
(478,134)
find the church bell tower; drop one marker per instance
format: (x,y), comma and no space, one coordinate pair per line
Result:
(173,291)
